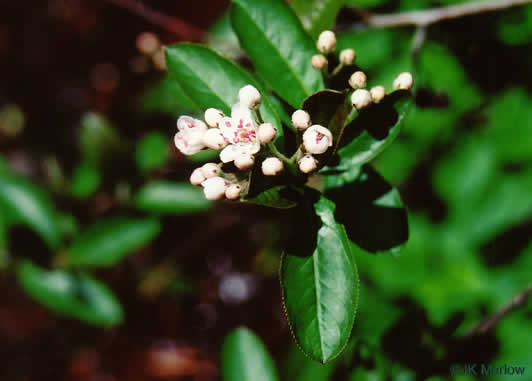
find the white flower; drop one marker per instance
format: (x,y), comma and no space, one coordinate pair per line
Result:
(318,61)
(214,188)
(214,139)
(244,161)
(326,41)
(307,164)
(317,139)
(347,56)
(377,93)
(240,131)
(233,192)
(360,98)
(249,96)
(358,80)
(403,81)
(272,166)
(301,119)
(213,117)
(266,132)
(189,139)
(209,170)
(196,178)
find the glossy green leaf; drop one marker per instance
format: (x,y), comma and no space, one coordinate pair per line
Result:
(374,128)
(75,295)
(372,213)
(275,197)
(23,203)
(245,358)
(320,288)
(211,80)
(273,37)
(167,97)
(317,15)
(152,151)
(171,198)
(107,242)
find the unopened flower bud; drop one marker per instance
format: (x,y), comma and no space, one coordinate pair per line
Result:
(404,81)
(358,80)
(326,41)
(301,119)
(214,188)
(196,178)
(272,166)
(209,170)
(307,164)
(317,139)
(244,161)
(189,139)
(347,56)
(266,132)
(213,116)
(214,139)
(318,61)
(249,96)
(377,93)
(360,98)
(232,192)
(148,43)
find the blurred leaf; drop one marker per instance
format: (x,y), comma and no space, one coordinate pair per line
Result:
(98,138)
(320,290)
(108,241)
(223,39)
(204,156)
(212,80)
(167,97)
(23,203)
(85,181)
(372,213)
(275,197)
(317,15)
(271,34)
(245,358)
(299,367)
(152,152)
(75,295)
(365,3)
(515,26)
(374,128)
(171,198)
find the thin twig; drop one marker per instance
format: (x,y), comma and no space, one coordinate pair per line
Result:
(432,16)
(180,28)
(487,324)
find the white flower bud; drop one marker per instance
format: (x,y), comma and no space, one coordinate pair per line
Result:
(209,170)
(266,132)
(232,192)
(317,139)
(213,116)
(360,98)
(214,139)
(272,166)
(347,56)
(307,164)
(196,178)
(301,119)
(214,188)
(189,139)
(404,81)
(249,96)
(318,61)
(377,93)
(358,80)
(326,41)
(244,161)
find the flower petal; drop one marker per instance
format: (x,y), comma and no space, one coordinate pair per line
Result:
(229,153)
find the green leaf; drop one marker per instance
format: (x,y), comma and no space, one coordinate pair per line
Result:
(108,241)
(211,80)
(320,289)
(85,181)
(75,295)
(281,51)
(23,203)
(245,358)
(276,197)
(152,152)
(317,15)
(372,212)
(98,138)
(374,128)
(171,198)
(167,97)
(223,39)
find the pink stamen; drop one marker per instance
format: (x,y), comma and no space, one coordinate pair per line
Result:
(228,124)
